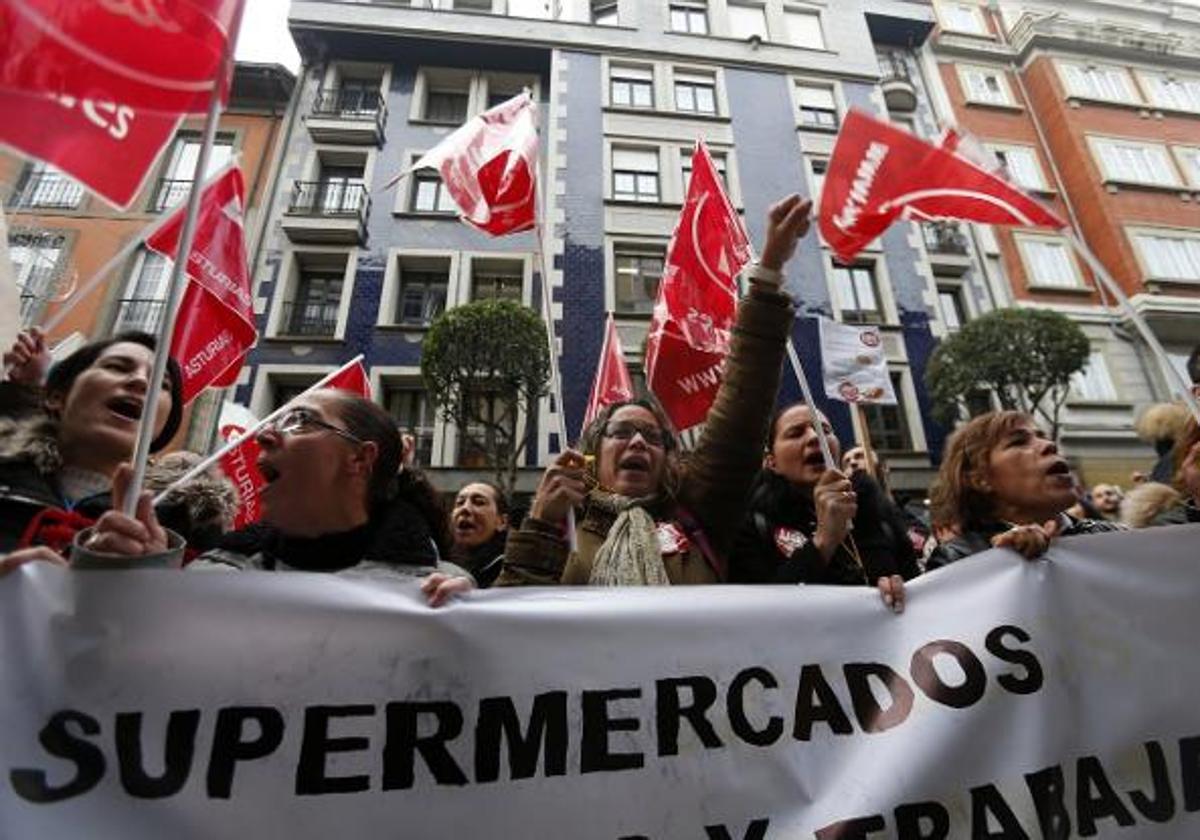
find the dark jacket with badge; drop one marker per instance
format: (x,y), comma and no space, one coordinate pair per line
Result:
(774,544)
(980,539)
(696,530)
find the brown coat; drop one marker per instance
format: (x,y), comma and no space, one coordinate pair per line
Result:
(716,476)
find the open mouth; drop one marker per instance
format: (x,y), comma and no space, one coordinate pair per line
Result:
(464,525)
(130,408)
(1059,468)
(635,463)
(268,472)
(814,459)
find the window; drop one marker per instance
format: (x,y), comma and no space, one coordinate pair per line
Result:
(982,84)
(1097,82)
(1189,161)
(478,443)
(695,92)
(635,175)
(38,265)
(1132,161)
(429,195)
(145,294)
(954,314)
(45,186)
(1177,94)
(819,167)
(315,308)
(689,17)
(1020,165)
(530,9)
(1170,256)
(284,391)
(747,21)
(857,295)
(804,29)
(961,17)
(637,272)
(338,191)
(818,107)
(1094,383)
(410,406)
(1049,263)
(631,87)
(604,13)
(422,293)
(497,280)
(174,185)
(720,161)
(447,98)
(888,424)
(357,96)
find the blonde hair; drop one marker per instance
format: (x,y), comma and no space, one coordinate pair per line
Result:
(1162,421)
(1146,501)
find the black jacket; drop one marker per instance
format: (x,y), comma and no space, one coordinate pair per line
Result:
(980,539)
(484,561)
(775,545)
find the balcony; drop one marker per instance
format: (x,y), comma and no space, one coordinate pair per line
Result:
(327,212)
(49,190)
(352,116)
(947,247)
(170,192)
(141,314)
(899,93)
(304,318)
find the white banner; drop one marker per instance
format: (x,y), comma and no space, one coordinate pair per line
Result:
(853,363)
(1011,699)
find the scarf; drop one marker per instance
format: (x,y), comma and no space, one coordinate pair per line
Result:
(630,555)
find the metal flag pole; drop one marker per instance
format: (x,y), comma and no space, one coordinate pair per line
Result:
(175,287)
(1170,373)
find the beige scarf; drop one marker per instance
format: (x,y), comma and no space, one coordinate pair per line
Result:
(630,555)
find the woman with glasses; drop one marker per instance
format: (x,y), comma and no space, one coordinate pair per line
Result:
(644,514)
(333,502)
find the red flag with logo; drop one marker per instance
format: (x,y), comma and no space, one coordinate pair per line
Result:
(879,173)
(240,464)
(612,383)
(215,324)
(697,299)
(489,167)
(352,378)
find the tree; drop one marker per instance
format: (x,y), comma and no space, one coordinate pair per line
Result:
(1025,356)
(485,364)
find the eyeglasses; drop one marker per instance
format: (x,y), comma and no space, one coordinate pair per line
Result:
(298,419)
(625,430)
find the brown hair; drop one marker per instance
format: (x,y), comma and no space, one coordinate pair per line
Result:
(589,441)
(1183,443)
(954,498)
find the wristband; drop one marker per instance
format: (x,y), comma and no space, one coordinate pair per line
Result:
(763,275)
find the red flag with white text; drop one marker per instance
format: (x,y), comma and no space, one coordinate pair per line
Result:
(697,299)
(879,173)
(489,167)
(352,378)
(215,325)
(612,383)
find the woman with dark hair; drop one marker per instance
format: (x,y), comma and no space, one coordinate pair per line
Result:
(58,462)
(1003,483)
(810,524)
(479,526)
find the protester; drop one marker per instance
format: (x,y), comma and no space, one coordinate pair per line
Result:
(202,510)
(1160,425)
(646,516)
(333,502)
(1003,483)
(479,527)
(1154,504)
(810,524)
(57,463)
(1106,499)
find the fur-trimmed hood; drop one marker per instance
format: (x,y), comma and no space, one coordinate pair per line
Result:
(32,439)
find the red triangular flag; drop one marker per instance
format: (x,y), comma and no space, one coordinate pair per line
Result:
(489,167)
(879,173)
(612,383)
(352,378)
(215,324)
(697,299)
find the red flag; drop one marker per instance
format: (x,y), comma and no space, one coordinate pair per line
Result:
(163,55)
(215,324)
(879,173)
(489,167)
(240,464)
(612,383)
(352,378)
(697,299)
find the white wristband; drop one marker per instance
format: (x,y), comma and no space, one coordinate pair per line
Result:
(766,276)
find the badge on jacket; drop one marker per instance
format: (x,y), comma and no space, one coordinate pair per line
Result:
(789,540)
(671,539)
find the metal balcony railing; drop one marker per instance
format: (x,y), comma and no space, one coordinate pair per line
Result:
(304,318)
(351,104)
(139,314)
(329,198)
(892,67)
(47,189)
(944,238)
(169,193)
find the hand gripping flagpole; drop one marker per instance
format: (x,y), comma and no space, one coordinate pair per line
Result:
(175,287)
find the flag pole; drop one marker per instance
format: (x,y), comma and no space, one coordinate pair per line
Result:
(1169,372)
(868,449)
(141,454)
(235,442)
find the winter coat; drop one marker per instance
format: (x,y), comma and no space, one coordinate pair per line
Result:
(774,544)
(484,561)
(980,539)
(696,530)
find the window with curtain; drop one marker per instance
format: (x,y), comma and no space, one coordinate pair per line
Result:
(691,17)
(1049,263)
(857,294)
(1169,257)
(631,87)
(635,175)
(1174,93)
(818,106)
(804,29)
(748,19)
(983,84)
(1144,163)
(695,92)
(1021,166)
(1098,82)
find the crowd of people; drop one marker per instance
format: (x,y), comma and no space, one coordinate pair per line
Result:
(756,500)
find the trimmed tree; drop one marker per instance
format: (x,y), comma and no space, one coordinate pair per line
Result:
(486,364)
(1026,357)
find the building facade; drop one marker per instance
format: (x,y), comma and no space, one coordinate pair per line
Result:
(1095,106)
(625,88)
(59,235)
